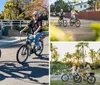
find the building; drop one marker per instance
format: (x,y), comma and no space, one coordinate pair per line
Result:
(83,6)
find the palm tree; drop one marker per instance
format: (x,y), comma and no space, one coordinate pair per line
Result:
(92,54)
(68,56)
(77,55)
(54,52)
(98,54)
(81,46)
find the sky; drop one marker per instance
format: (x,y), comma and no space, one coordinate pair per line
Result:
(70,47)
(2,2)
(52,1)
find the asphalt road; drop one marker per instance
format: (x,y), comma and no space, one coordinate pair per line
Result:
(34,72)
(81,33)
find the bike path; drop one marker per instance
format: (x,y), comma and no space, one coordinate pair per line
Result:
(11,40)
(84,32)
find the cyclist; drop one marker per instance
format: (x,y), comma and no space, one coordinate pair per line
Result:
(87,69)
(73,14)
(36,26)
(61,14)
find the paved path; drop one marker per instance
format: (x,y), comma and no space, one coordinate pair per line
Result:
(81,33)
(34,72)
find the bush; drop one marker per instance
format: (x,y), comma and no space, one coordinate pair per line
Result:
(96,29)
(59,35)
(45,28)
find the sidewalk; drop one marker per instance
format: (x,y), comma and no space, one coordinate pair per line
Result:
(11,40)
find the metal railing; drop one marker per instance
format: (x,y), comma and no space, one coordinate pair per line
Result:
(12,23)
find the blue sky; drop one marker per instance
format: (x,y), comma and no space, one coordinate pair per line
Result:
(2,2)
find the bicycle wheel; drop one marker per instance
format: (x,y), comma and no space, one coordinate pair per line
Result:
(77,78)
(0,52)
(91,79)
(38,52)
(65,77)
(59,22)
(77,23)
(65,23)
(22,54)
(71,23)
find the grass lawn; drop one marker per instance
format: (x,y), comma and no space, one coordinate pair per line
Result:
(59,82)
(96,71)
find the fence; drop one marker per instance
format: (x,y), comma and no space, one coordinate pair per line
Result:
(19,23)
(12,23)
(92,15)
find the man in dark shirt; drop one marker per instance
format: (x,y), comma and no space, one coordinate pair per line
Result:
(36,26)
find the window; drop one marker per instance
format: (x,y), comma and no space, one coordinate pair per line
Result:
(84,6)
(80,6)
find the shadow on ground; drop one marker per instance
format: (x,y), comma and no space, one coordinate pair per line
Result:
(14,70)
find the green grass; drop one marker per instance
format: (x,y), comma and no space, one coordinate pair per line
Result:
(59,82)
(96,71)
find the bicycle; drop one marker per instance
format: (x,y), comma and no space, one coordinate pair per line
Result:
(62,22)
(75,22)
(90,78)
(25,49)
(67,76)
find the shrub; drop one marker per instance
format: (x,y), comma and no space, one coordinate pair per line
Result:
(59,35)
(96,28)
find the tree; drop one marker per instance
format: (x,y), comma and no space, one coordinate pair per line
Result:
(98,54)
(68,57)
(82,46)
(77,55)
(54,53)
(60,4)
(37,5)
(13,8)
(94,4)
(92,54)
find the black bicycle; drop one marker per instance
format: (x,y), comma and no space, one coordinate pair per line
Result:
(75,22)
(25,50)
(62,22)
(90,78)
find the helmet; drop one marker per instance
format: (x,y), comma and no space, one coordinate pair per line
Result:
(36,13)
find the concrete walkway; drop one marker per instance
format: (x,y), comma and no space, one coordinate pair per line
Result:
(11,40)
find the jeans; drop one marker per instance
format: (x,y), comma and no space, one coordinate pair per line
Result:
(35,38)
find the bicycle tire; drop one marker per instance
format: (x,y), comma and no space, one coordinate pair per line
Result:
(77,23)
(17,55)
(77,78)
(89,77)
(62,77)
(42,47)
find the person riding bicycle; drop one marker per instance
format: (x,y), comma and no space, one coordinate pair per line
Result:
(73,14)
(36,26)
(87,69)
(61,14)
